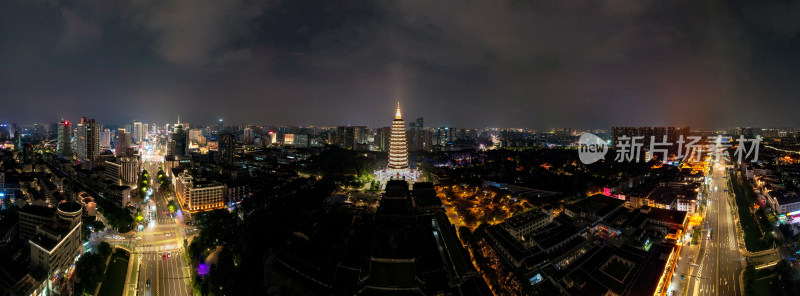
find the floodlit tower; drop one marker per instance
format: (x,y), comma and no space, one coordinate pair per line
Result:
(398,150)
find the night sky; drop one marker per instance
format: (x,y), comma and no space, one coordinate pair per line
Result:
(465,63)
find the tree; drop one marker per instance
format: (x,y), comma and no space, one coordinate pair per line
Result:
(172,206)
(163,180)
(104,248)
(144,182)
(695,235)
(89,227)
(90,269)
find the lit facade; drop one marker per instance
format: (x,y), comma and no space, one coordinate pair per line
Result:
(198,195)
(88,140)
(398,148)
(397,167)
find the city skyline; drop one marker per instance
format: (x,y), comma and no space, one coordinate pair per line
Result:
(411,147)
(490,64)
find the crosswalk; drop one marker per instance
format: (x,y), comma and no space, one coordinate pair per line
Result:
(157,248)
(165,221)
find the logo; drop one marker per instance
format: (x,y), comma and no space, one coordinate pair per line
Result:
(591,148)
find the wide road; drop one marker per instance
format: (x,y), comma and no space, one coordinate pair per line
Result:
(719,262)
(160,249)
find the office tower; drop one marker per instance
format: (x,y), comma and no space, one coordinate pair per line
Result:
(181,138)
(105,140)
(137,132)
(398,151)
(227,146)
(88,142)
(65,139)
(122,142)
(145,130)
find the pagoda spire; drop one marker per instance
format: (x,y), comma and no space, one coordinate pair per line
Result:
(397,115)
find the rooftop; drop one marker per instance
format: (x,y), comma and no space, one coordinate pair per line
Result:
(41,211)
(520,220)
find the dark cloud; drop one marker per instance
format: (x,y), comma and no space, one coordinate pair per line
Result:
(461,63)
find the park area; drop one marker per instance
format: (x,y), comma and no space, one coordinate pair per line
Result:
(115,274)
(750,216)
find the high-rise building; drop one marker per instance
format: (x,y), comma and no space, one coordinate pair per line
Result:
(137,132)
(55,247)
(88,140)
(105,140)
(301,141)
(227,146)
(145,131)
(288,139)
(196,136)
(360,134)
(17,140)
(181,138)
(65,139)
(248,135)
(171,147)
(129,169)
(398,151)
(122,142)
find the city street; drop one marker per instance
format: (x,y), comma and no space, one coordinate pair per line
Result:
(718,267)
(160,247)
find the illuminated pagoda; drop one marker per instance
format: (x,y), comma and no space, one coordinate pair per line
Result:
(398,169)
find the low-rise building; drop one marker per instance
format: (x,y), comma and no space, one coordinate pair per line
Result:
(558,243)
(783,201)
